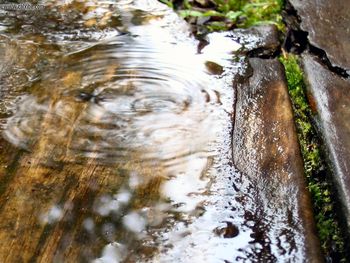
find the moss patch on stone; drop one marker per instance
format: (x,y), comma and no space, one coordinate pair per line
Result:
(315,167)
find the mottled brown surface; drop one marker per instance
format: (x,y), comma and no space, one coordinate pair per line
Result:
(265,149)
(34,182)
(331,95)
(327,22)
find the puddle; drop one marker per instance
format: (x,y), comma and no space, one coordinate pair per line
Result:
(118,138)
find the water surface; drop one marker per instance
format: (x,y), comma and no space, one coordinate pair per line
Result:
(116,139)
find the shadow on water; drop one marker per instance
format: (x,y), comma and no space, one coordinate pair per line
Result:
(116,138)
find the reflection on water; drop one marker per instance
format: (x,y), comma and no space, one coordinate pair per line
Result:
(122,135)
(118,117)
(134,93)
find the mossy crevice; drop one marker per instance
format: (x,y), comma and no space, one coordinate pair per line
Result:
(319,185)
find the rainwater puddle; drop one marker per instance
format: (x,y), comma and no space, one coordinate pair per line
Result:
(116,138)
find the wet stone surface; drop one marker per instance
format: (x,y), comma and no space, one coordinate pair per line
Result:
(258,41)
(265,150)
(327,23)
(329,93)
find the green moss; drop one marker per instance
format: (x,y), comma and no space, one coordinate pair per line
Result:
(307,135)
(324,208)
(227,14)
(262,12)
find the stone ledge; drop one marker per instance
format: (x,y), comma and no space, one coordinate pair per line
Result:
(330,94)
(266,150)
(258,41)
(327,23)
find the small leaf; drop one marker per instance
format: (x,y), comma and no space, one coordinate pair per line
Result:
(216,26)
(187,13)
(254,5)
(168,3)
(213,13)
(233,15)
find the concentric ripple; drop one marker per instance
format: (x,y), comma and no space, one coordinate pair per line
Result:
(127,97)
